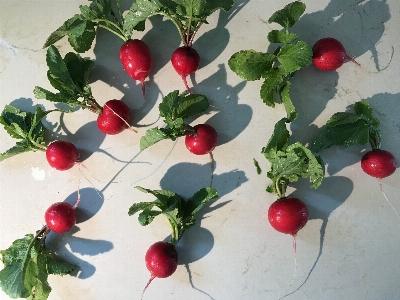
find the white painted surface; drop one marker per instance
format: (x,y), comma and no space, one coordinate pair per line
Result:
(349,249)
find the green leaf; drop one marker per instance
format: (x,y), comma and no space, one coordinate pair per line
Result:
(136,207)
(82,36)
(138,13)
(79,69)
(289,15)
(214,5)
(296,56)
(285,37)
(61,31)
(199,199)
(250,64)
(57,267)
(363,109)
(169,105)
(147,216)
(345,134)
(152,136)
(287,102)
(273,79)
(278,142)
(257,165)
(192,105)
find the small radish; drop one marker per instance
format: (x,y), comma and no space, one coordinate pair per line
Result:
(378,163)
(136,59)
(185,61)
(62,155)
(329,54)
(60,217)
(114,117)
(288,215)
(204,141)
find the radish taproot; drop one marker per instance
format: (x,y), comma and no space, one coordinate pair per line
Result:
(114,117)
(203,141)
(329,54)
(378,163)
(62,155)
(176,109)
(136,59)
(162,258)
(185,61)
(60,217)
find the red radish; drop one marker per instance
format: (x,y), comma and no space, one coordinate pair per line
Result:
(378,163)
(62,155)
(204,141)
(136,59)
(329,54)
(185,61)
(114,117)
(60,217)
(288,215)
(161,260)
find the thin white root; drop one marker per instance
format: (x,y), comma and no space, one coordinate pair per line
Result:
(127,124)
(384,195)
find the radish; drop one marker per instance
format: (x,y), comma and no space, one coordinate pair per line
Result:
(114,118)
(185,61)
(329,54)
(62,155)
(136,59)
(203,141)
(288,215)
(60,217)
(378,163)
(161,260)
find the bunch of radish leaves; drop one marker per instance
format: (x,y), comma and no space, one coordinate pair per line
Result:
(70,76)
(180,213)
(277,68)
(175,109)
(347,129)
(27,264)
(187,16)
(289,162)
(25,126)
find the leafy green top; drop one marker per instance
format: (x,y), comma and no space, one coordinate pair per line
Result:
(276,69)
(180,213)
(27,265)
(70,76)
(187,15)
(25,126)
(175,109)
(290,161)
(347,129)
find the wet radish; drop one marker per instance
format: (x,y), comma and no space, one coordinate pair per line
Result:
(136,59)
(329,54)
(60,217)
(378,163)
(114,118)
(161,260)
(185,61)
(62,155)
(204,141)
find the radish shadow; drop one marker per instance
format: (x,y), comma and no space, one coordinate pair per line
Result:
(197,242)
(321,205)
(90,204)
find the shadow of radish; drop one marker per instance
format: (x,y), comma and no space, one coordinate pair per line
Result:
(90,203)
(321,202)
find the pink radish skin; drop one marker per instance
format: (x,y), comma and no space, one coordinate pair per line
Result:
(329,54)
(62,155)
(185,61)
(60,217)
(161,260)
(378,163)
(204,141)
(288,215)
(136,59)
(109,121)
